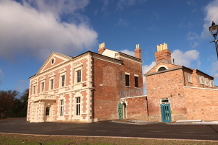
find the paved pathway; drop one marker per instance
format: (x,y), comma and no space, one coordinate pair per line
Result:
(108,128)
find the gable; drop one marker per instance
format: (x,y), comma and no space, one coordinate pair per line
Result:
(54,60)
(162,66)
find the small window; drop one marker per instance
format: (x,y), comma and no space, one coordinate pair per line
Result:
(47,110)
(78,76)
(164,101)
(136,81)
(211,83)
(43,85)
(206,81)
(162,68)
(189,78)
(52,84)
(52,61)
(62,80)
(61,107)
(34,89)
(127,79)
(200,79)
(77,106)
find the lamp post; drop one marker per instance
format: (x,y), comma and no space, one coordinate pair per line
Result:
(214,30)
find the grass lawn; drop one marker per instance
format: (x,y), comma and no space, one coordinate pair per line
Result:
(17,139)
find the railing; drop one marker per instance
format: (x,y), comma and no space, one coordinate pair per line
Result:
(132,93)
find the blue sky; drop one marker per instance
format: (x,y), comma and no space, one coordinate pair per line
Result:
(30,30)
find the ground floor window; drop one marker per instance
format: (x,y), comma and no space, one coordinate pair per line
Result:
(77,106)
(61,107)
(47,110)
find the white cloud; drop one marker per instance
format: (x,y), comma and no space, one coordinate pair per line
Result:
(122,3)
(132,53)
(216,76)
(211,11)
(37,31)
(145,69)
(1,75)
(185,58)
(122,22)
(194,38)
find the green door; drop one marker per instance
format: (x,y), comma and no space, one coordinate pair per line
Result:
(165,112)
(120,111)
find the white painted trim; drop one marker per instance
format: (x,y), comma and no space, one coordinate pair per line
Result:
(160,67)
(200,88)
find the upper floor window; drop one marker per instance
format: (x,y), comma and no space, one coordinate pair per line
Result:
(211,83)
(52,84)
(42,86)
(34,89)
(136,81)
(78,74)
(206,81)
(189,78)
(62,80)
(162,68)
(201,79)
(127,79)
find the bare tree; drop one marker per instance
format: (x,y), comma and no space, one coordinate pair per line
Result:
(6,101)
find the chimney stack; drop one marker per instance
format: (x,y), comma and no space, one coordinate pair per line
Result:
(101,48)
(138,51)
(163,54)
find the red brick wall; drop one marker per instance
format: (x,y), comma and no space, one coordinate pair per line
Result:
(166,85)
(136,108)
(201,103)
(109,80)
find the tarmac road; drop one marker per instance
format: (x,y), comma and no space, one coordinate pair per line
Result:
(108,128)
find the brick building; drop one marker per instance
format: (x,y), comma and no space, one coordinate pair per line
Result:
(177,92)
(88,87)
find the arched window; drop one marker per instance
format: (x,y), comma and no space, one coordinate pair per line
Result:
(162,68)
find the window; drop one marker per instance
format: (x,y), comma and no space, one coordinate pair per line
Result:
(52,61)
(164,101)
(52,84)
(61,107)
(43,85)
(34,89)
(200,79)
(189,78)
(206,81)
(136,81)
(62,80)
(78,76)
(77,106)
(127,79)
(162,69)
(47,110)
(211,83)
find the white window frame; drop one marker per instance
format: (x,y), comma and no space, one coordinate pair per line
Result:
(206,81)
(51,86)
(134,80)
(53,62)
(189,77)
(78,76)
(42,86)
(77,104)
(61,107)
(200,79)
(62,73)
(75,74)
(211,83)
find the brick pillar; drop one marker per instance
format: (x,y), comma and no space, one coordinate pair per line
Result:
(102,48)
(138,52)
